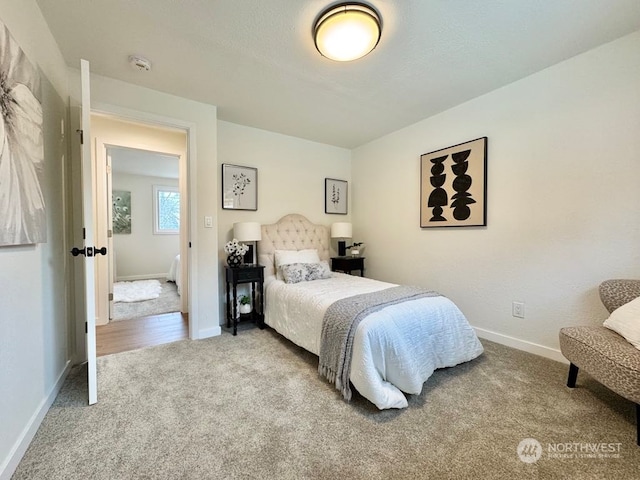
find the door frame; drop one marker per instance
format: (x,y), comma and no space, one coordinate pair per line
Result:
(188,168)
(104,215)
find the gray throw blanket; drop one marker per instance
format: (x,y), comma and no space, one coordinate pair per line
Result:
(339,327)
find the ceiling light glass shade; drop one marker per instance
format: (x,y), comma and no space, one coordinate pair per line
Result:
(347,32)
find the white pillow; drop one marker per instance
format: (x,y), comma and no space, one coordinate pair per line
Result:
(287,257)
(625,321)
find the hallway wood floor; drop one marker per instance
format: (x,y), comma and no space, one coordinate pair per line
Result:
(124,335)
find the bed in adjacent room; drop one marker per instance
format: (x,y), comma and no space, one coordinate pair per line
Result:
(175,273)
(382,338)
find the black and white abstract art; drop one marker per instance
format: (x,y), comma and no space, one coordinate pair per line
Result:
(453,186)
(22,206)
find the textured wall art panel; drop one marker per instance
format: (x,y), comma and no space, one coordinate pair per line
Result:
(22,205)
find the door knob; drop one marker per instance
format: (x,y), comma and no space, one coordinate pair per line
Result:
(88,251)
(75,251)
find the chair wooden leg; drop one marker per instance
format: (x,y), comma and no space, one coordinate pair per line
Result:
(573,376)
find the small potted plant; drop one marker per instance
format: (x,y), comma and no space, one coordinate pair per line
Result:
(356,248)
(245,304)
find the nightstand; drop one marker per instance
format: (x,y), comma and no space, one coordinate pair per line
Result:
(253,274)
(347,264)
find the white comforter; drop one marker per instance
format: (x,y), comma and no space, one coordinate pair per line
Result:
(395,349)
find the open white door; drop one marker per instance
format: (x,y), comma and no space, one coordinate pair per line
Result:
(88,250)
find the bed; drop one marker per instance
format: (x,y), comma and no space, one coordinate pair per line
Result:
(395,349)
(175,273)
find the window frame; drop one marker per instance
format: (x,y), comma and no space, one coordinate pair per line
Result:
(156,210)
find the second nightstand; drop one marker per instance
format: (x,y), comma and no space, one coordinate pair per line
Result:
(347,264)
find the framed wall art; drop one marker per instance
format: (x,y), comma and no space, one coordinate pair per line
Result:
(335,196)
(239,187)
(453,186)
(121,211)
(22,202)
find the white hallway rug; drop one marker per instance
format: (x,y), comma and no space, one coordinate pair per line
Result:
(137,291)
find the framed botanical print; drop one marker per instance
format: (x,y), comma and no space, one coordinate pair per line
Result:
(453,186)
(239,187)
(335,196)
(121,211)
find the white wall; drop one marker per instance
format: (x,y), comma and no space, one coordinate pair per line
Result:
(142,254)
(109,94)
(291,174)
(563,198)
(34,328)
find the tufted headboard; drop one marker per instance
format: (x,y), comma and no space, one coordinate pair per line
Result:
(291,232)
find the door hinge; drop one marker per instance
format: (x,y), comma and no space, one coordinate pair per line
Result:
(109,233)
(111,297)
(84,233)
(189,244)
(81,136)
(86,327)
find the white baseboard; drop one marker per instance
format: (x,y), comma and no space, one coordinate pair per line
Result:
(132,278)
(10,464)
(523,345)
(210,332)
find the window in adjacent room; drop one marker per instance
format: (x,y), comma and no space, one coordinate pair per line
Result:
(166,210)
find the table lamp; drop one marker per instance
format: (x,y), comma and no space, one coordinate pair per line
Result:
(341,230)
(247,232)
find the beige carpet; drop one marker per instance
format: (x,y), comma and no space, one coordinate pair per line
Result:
(168,301)
(254,407)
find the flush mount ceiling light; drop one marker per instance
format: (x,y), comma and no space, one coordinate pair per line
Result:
(347,31)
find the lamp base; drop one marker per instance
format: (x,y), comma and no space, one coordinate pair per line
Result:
(342,248)
(248,257)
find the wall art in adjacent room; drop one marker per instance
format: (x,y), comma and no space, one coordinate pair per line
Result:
(453,186)
(121,211)
(22,205)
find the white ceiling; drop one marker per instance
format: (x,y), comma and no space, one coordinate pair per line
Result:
(143,162)
(255,59)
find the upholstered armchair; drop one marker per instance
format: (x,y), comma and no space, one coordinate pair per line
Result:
(604,354)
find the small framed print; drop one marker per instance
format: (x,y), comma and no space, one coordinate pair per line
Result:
(453,186)
(335,196)
(239,187)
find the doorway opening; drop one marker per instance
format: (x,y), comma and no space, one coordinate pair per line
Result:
(141,211)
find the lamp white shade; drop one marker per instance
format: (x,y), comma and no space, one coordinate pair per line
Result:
(341,230)
(247,231)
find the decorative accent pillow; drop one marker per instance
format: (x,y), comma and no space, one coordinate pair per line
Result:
(287,257)
(305,272)
(625,321)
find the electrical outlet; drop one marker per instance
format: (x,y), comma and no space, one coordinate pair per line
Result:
(208,222)
(517,309)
